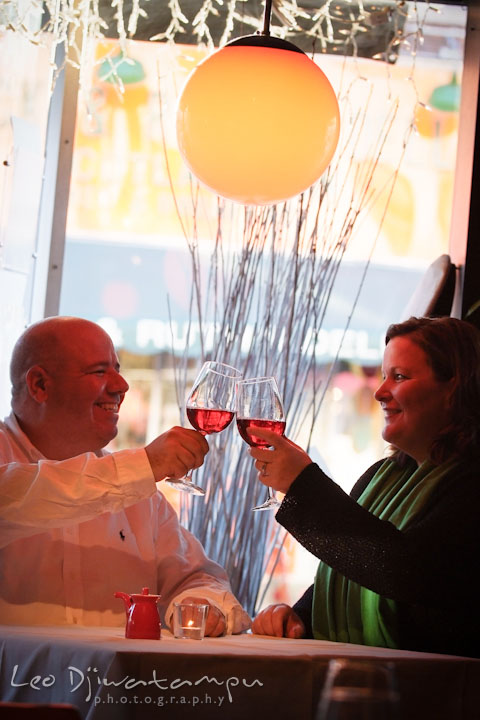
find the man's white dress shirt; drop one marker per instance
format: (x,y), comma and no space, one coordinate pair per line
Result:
(73,532)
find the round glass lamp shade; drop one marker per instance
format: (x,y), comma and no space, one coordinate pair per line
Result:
(258,124)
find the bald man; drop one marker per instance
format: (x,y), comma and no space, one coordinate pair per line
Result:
(77,523)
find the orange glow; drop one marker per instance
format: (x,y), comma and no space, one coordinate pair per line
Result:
(257,124)
(433,123)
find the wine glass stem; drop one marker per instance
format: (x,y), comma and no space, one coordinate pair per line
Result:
(270,491)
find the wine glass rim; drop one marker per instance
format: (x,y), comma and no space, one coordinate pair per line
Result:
(235,374)
(229,377)
(361,663)
(361,671)
(245,381)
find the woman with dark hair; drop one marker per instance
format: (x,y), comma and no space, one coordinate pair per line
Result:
(398,556)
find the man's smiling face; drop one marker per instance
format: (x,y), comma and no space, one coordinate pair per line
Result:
(85,391)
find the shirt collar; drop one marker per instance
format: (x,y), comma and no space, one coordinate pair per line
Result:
(22,440)
(26,445)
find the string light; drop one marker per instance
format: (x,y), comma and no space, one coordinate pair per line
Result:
(65,23)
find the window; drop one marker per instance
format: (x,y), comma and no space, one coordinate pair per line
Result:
(127,264)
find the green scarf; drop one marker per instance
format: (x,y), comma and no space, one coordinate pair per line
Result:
(344,611)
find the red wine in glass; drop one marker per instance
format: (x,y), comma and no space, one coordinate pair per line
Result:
(259,406)
(210,408)
(209,421)
(244,424)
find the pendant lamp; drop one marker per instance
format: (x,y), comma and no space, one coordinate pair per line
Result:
(258,121)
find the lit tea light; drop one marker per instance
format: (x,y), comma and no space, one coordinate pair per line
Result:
(192,631)
(189,621)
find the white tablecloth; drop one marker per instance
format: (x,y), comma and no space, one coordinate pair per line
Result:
(108,676)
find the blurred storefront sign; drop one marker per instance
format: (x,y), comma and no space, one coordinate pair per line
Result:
(141,296)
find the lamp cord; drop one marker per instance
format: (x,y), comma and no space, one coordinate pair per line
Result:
(266,17)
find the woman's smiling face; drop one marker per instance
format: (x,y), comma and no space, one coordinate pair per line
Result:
(415,404)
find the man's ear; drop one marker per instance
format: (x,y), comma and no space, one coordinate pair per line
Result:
(37,383)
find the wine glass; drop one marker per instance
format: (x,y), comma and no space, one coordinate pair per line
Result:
(210,409)
(259,405)
(359,690)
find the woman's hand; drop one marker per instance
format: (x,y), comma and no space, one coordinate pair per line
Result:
(278,620)
(279,465)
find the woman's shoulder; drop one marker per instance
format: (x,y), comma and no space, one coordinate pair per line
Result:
(364,479)
(313,472)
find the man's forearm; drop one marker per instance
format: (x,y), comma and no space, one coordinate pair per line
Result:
(51,494)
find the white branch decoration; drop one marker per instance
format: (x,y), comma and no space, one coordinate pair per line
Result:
(260,307)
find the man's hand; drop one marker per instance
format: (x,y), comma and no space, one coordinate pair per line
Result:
(279,465)
(280,621)
(215,624)
(176,452)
